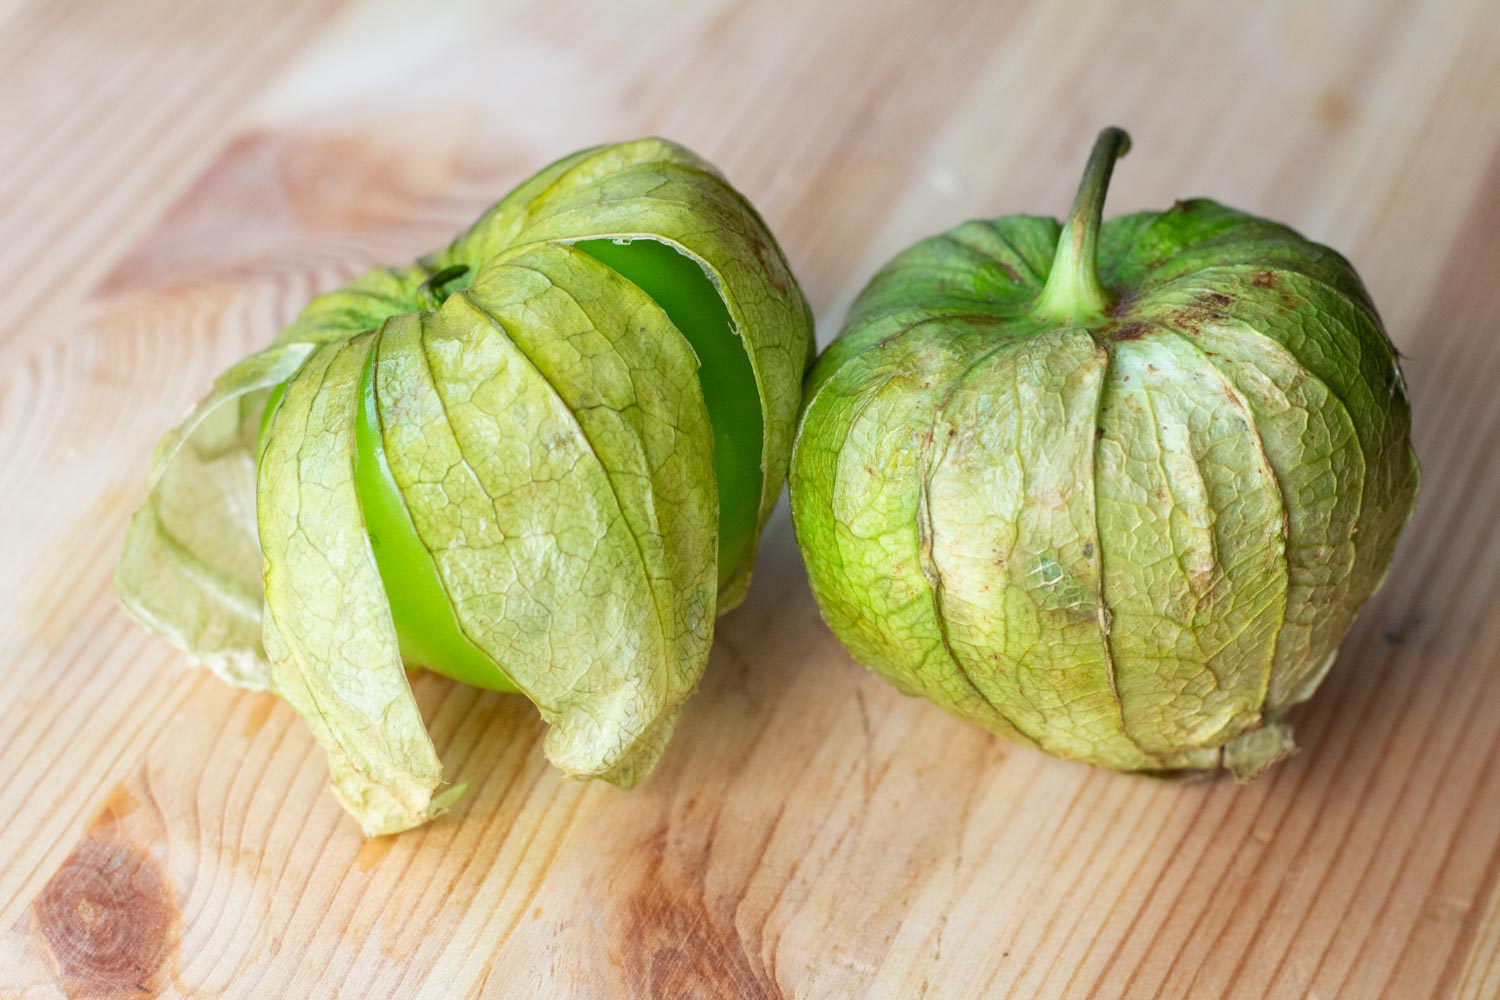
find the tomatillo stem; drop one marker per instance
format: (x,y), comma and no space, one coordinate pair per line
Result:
(1073,291)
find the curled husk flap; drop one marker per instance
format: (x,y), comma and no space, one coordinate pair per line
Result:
(1130,530)
(542,418)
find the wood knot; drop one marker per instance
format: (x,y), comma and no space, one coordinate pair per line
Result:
(109,920)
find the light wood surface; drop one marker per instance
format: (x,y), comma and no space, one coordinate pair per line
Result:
(176,179)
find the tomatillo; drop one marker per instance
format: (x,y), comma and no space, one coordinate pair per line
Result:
(1113,489)
(537,460)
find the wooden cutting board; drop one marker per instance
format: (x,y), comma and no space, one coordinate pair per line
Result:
(176,179)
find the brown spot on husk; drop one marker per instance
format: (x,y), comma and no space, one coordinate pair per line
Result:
(770,264)
(1203,309)
(1130,331)
(1122,304)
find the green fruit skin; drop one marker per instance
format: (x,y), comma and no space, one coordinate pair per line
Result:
(1135,539)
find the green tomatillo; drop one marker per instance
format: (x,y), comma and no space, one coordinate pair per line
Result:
(1113,489)
(535,461)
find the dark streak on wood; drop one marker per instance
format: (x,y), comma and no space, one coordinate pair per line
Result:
(677,944)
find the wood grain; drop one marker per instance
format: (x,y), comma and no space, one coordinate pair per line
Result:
(179,178)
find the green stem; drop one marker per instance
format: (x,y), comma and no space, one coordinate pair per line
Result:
(1073,291)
